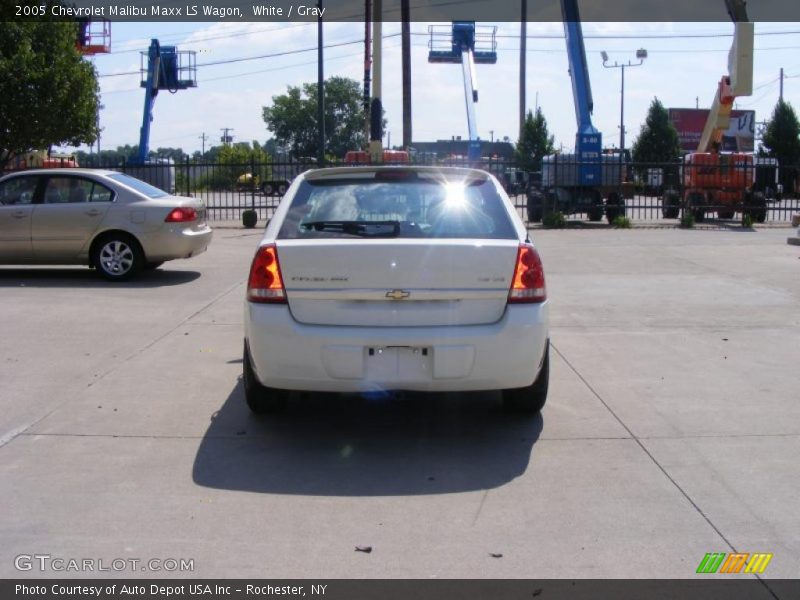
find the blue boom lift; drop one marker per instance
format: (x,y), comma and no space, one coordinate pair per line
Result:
(162,68)
(580,182)
(167,69)
(465,45)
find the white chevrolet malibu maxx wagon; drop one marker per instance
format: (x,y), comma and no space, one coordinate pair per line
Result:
(396,278)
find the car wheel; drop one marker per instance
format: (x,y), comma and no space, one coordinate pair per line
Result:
(530,399)
(260,399)
(268,189)
(281,189)
(118,257)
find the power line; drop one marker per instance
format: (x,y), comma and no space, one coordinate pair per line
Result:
(248,73)
(261,56)
(228,34)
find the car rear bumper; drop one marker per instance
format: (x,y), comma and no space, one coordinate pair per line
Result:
(289,355)
(172,242)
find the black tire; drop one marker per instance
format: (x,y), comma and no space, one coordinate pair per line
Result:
(615,207)
(595,213)
(152,266)
(530,399)
(260,399)
(534,207)
(117,256)
(268,189)
(670,205)
(282,189)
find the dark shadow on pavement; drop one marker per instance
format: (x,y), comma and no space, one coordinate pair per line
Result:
(353,445)
(83,277)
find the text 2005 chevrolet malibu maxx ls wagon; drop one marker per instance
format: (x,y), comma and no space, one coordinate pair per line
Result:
(396,278)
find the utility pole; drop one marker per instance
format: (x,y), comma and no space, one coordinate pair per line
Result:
(99,130)
(523,39)
(203,138)
(320,93)
(367,65)
(376,107)
(405,16)
(226,137)
(781,92)
(641,54)
(491,135)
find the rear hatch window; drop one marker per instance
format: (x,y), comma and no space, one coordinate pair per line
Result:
(411,207)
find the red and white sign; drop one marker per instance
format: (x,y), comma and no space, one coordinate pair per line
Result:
(739,137)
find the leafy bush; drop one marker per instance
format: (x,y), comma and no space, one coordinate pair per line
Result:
(687,220)
(622,222)
(554,220)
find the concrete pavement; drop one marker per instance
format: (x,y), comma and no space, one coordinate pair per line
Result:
(671,430)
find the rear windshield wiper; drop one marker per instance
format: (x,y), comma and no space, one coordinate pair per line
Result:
(362,228)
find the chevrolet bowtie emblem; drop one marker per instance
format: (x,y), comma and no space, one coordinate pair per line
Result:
(398,294)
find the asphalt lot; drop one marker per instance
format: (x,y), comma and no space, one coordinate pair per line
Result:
(672,428)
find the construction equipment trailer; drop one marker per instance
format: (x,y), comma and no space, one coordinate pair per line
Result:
(723,181)
(590,180)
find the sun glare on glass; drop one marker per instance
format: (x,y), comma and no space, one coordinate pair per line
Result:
(455,194)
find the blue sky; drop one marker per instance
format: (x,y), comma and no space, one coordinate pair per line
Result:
(680,70)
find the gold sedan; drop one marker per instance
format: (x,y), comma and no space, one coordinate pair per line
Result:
(104,219)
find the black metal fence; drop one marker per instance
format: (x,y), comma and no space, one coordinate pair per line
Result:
(652,192)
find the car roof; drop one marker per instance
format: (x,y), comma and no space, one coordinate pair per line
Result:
(361,171)
(62,171)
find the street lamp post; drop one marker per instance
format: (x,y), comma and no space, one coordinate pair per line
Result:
(641,54)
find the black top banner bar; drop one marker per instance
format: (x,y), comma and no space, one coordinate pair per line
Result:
(420,10)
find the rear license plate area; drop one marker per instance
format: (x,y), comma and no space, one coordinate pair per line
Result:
(398,363)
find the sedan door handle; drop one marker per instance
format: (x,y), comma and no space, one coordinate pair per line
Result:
(93,212)
(20,215)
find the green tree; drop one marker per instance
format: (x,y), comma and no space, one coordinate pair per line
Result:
(48,93)
(781,140)
(232,161)
(535,142)
(292,118)
(657,144)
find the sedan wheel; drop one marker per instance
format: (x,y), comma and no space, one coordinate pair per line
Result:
(260,399)
(530,399)
(118,257)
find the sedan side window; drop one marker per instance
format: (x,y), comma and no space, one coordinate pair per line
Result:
(67,190)
(101,193)
(18,191)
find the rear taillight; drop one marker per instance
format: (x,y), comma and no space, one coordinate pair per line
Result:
(182,214)
(528,283)
(265,283)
